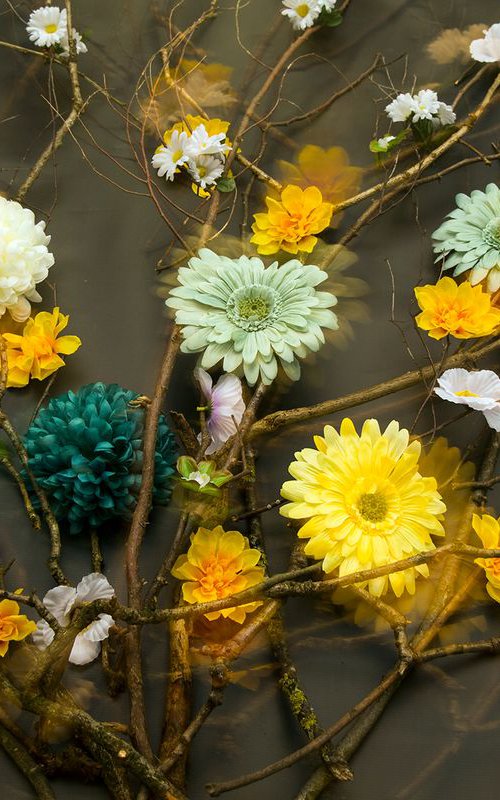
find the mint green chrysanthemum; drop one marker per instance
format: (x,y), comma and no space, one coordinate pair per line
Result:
(470,237)
(251,316)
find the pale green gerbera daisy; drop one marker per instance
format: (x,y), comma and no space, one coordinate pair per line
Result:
(470,237)
(250,316)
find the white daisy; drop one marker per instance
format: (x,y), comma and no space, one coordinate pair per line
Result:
(426,105)
(225,405)
(479,390)
(81,47)
(169,158)
(205,170)
(201,144)
(401,108)
(302,14)
(61,600)
(487,50)
(47,26)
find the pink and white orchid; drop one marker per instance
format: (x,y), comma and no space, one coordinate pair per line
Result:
(225,405)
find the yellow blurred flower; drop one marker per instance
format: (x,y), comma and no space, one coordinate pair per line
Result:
(488,530)
(452,44)
(36,352)
(190,122)
(219,564)
(13,625)
(290,224)
(329,170)
(366,502)
(460,310)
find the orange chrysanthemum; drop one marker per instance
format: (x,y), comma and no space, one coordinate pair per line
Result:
(36,353)
(460,310)
(13,626)
(329,170)
(291,224)
(219,564)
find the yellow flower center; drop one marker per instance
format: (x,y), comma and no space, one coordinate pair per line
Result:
(466,393)
(177,155)
(217,577)
(493,565)
(202,171)
(303,10)
(373,506)
(50,28)
(253,308)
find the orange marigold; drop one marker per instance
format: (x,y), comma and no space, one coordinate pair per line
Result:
(219,564)
(290,224)
(461,310)
(13,625)
(36,353)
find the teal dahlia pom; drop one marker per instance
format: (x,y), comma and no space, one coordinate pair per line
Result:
(85,450)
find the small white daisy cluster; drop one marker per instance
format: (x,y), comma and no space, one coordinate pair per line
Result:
(425,105)
(303,14)
(48,27)
(201,154)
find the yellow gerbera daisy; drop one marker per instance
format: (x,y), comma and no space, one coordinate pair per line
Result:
(366,502)
(289,224)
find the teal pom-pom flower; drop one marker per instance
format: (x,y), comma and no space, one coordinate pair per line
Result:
(85,451)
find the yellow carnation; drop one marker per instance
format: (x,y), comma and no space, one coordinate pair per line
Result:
(13,625)
(460,310)
(290,224)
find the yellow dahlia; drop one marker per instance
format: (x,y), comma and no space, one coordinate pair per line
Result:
(460,310)
(219,564)
(291,223)
(366,502)
(488,530)
(13,626)
(36,353)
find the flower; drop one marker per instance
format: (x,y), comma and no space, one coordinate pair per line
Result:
(168,159)
(250,316)
(36,353)
(385,141)
(445,114)
(488,530)
(452,44)
(400,109)
(469,238)
(479,390)
(487,49)
(366,503)
(458,310)
(24,259)
(302,14)
(329,170)
(202,477)
(225,407)
(205,170)
(80,45)
(290,224)
(425,105)
(13,626)
(219,564)
(85,450)
(202,143)
(61,601)
(47,26)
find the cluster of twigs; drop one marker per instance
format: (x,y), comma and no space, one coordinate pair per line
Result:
(124,758)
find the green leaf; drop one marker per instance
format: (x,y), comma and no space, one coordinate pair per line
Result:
(226,184)
(330,19)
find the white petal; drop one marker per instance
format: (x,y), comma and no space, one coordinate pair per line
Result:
(43,636)
(59,601)
(84,650)
(94,587)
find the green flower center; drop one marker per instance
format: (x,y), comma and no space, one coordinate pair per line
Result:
(253,307)
(373,506)
(491,233)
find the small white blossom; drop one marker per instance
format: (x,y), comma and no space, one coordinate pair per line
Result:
(426,105)
(205,170)
(201,478)
(487,50)
(168,158)
(61,600)
(401,108)
(385,141)
(327,5)
(80,45)
(47,26)
(446,115)
(302,14)
(201,144)
(225,404)
(479,390)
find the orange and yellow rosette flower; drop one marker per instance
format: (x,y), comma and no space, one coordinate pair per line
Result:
(13,626)
(488,530)
(460,310)
(290,224)
(219,564)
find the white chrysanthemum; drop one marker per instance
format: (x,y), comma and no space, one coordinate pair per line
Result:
(225,408)
(487,50)
(61,600)
(201,144)
(426,105)
(24,259)
(47,26)
(469,238)
(401,108)
(81,47)
(250,316)
(169,158)
(479,390)
(302,14)
(205,170)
